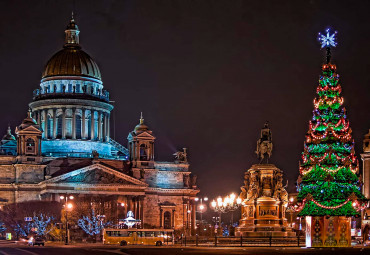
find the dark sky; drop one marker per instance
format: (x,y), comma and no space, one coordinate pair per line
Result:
(206,74)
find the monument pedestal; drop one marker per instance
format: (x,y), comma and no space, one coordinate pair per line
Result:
(333,231)
(264,203)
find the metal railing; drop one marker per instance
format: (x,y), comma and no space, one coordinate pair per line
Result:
(268,241)
(103,95)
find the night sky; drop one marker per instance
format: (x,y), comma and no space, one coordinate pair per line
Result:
(206,74)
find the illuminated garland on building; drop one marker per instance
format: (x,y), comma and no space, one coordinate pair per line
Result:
(328,180)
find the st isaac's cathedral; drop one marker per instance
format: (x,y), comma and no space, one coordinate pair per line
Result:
(63,147)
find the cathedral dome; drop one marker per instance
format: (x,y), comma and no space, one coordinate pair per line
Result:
(141,127)
(71,60)
(8,136)
(27,122)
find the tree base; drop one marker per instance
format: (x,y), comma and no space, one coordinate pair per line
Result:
(334,231)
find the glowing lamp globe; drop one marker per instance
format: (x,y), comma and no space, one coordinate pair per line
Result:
(232,196)
(238,200)
(213,203)
(227,199)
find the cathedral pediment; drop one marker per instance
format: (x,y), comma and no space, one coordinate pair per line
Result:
(96,174)
(145,135)
(29,129)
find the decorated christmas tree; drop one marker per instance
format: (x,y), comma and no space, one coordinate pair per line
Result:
(328,183)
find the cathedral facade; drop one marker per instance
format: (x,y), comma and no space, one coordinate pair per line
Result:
(63,147)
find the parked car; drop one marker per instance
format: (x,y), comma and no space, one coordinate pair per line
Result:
(38,240)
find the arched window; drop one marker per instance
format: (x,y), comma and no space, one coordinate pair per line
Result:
(59,126)
(89,128)
(50,127)
(68,127)
(167,220)
(30,146)
(143,155)
(78,126)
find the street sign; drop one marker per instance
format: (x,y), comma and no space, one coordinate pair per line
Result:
(27,218)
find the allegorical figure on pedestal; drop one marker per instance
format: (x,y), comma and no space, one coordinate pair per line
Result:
(279,190)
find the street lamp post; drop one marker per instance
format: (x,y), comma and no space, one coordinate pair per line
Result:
(290,210)
(123,210)
(201,208)
(67,206)
(228,204)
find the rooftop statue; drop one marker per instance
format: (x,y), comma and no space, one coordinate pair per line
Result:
(181,156)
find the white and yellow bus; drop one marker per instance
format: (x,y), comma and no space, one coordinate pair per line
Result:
(131,236)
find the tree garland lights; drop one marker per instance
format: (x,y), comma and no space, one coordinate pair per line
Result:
(328,170)
(356,204)
(328,181)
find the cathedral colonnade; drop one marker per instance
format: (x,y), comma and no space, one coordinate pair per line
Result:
(75,122)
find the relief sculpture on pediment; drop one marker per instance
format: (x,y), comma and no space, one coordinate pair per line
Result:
(96,176)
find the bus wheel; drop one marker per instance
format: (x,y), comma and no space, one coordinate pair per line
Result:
(123,243)
(158,243)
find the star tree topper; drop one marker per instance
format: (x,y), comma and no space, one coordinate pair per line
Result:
(328,40)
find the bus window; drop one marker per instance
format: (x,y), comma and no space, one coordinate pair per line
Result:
(123,233)
(149,234)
